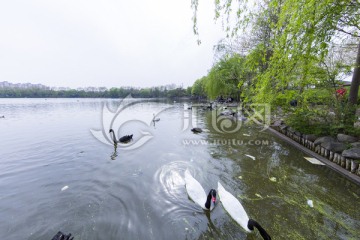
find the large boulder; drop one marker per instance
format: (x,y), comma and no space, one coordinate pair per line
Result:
(337,147)
(283,127)
(293,131)
(355,144)
(346,138)
(277,123)
(321,140)
(290,129)
(310,137)
(297,133)
(353,153)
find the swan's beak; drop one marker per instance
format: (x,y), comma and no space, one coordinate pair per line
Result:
(213,201)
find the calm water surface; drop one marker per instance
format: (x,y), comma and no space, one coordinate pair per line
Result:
(140,194)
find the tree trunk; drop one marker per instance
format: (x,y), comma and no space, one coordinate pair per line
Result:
(353,95)
(354,88)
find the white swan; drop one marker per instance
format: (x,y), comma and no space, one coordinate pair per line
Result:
(197,193)
(237,212)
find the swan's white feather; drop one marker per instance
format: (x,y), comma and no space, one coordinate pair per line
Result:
(233,207)
(195,190)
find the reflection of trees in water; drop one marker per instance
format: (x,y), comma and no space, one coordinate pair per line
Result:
(277,185)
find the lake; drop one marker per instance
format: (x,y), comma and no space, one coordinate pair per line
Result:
(60,172)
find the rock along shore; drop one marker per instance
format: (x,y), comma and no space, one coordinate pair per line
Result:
(342,153)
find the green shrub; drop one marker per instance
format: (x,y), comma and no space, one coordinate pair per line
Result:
(318,96)
(283,99)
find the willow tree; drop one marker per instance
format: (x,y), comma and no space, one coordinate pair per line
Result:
(303,32)
(225,77)
(309,28)
(198,88)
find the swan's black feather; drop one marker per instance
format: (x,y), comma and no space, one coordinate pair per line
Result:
(126,138)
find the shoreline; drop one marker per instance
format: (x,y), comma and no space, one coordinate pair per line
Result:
(331,164)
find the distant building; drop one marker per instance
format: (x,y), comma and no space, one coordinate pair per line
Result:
(4,84)
(22,85)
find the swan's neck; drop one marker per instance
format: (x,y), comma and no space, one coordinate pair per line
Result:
(252,223)
(209,199)
(113,137)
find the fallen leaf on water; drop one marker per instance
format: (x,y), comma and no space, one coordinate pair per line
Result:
(252,157)
(314,161)
(355,195)
(273,179)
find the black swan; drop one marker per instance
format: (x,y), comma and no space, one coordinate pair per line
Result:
(62,236)
(124,139)
(196,130)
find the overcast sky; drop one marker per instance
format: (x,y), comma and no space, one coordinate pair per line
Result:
(111,43)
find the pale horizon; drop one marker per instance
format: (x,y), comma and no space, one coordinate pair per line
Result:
(105,44)
(3,84)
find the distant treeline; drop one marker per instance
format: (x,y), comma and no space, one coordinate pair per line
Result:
(112,93)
